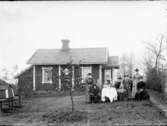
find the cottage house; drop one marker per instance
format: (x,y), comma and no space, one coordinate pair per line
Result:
(48,65)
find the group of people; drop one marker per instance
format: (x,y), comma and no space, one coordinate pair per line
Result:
(133,87)
(127,88)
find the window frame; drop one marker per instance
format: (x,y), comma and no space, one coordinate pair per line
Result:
(43,75)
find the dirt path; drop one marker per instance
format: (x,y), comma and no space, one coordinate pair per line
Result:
(159,101)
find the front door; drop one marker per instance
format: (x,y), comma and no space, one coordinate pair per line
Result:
(107,75)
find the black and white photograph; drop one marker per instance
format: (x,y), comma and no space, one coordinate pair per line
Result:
(83,63)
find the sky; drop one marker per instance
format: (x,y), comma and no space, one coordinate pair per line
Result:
(123,27)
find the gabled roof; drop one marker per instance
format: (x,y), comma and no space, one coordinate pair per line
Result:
(3,84)
(113,61)
(78,55)
(23,71)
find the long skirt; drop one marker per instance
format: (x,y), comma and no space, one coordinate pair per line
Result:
(134,89)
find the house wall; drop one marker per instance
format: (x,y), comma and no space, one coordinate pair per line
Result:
(25,82)
(64,84)
(55,84)
(38,78)
(95,71)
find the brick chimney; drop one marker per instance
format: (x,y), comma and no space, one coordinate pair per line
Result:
(65,44)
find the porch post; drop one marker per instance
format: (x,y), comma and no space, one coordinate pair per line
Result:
(113,75)
(34,75)
(100,74)
(59,77)
(73,77)
(82,74)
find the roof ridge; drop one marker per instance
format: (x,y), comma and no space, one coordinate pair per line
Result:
(71,48)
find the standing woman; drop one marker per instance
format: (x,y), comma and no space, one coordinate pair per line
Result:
(126,83)
(136,79)
(89,81)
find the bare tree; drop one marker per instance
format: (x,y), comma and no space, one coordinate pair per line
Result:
(69,83)
(156,52)
(127,64)
(154,60)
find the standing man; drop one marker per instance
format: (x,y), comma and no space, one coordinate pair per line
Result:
(89,81)
(136,79)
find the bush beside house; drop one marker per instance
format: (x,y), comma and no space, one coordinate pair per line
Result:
(156,79)
(165,89)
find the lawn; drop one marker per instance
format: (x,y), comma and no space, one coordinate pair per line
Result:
(44,110)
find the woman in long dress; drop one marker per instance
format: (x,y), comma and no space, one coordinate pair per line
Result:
(136,79)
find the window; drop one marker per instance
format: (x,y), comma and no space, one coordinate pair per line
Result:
(47,75)
(85,71)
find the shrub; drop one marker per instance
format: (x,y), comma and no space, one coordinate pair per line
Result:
(155,79)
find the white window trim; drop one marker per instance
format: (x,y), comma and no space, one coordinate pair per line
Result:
(43,81)
(100,73)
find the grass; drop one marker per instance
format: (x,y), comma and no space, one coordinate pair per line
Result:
(57,110)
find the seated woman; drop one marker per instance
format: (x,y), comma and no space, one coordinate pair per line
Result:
(109,93)
(141,93)
(94,94)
